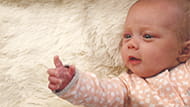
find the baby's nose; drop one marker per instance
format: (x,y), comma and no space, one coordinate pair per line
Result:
(132,44)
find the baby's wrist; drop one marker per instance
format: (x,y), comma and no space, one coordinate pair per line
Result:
(67,80)
(71,83)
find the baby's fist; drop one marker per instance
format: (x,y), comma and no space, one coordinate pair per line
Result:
(60,76)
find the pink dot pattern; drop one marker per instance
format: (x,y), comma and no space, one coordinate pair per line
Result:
(168,89)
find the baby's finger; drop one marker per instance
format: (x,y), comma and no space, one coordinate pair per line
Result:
(53,87)
(52,72)
(54,80)
(57,62)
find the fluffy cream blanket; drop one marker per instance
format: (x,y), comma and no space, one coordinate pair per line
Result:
(82,32)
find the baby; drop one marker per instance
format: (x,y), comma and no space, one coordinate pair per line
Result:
(155,47)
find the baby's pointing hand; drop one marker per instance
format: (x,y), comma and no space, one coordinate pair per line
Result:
(60,76)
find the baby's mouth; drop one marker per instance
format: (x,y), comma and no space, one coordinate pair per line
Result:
(134,60)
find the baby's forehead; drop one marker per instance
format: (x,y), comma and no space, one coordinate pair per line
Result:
(179,9)
(160,3)
(180,4)
(158,9)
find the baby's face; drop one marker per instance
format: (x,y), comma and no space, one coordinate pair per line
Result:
(150,42)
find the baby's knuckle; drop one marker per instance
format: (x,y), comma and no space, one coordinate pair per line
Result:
(56,73)
(60,81)
(57,81)
(59,69)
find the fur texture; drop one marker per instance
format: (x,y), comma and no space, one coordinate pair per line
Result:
(82,32)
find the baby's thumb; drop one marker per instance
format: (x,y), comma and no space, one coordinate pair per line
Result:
(57,62)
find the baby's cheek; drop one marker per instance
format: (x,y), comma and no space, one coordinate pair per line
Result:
(124,56)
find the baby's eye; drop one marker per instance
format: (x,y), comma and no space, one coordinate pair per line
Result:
(148,36)
(127,36)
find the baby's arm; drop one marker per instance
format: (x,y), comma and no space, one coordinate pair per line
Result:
(85,89)
(91,92)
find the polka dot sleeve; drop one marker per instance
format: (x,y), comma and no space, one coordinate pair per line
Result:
(89,91)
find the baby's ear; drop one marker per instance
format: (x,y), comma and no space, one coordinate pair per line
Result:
(185,54)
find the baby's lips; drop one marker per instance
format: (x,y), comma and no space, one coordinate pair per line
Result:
(133,58)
